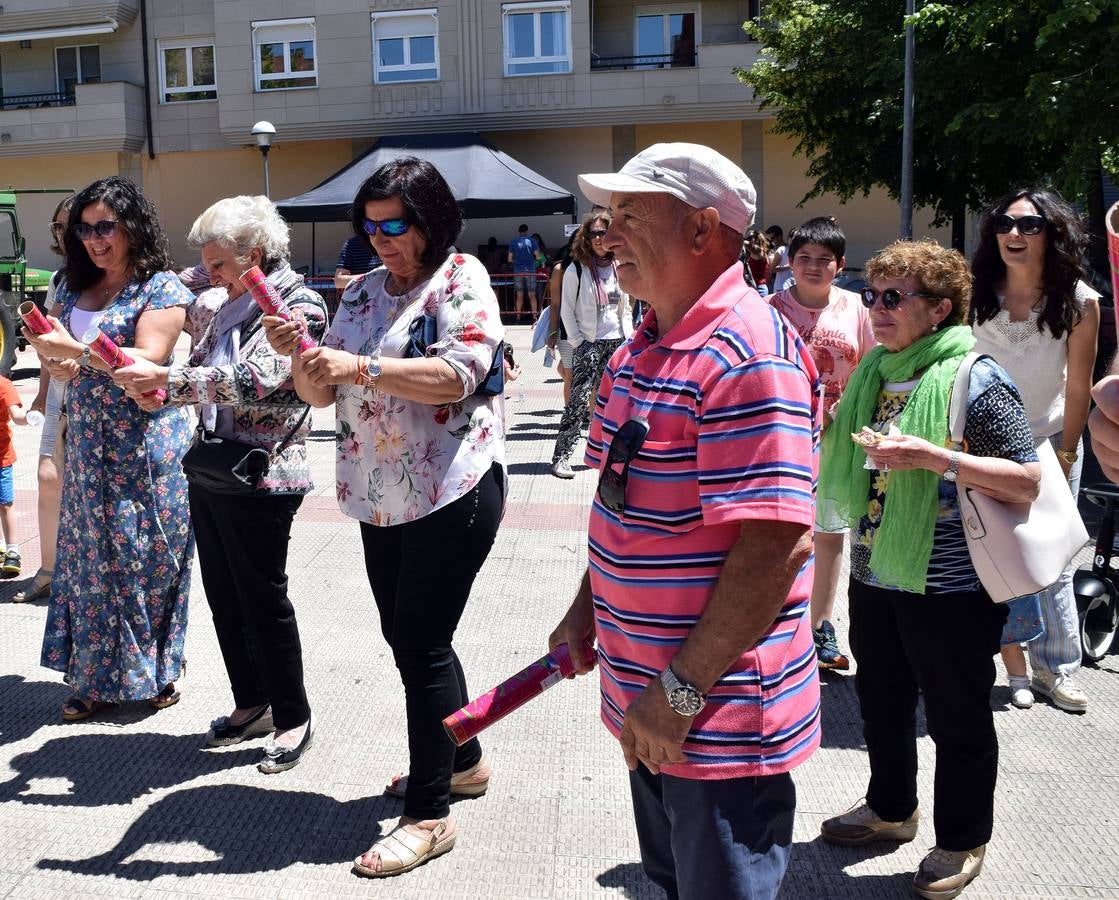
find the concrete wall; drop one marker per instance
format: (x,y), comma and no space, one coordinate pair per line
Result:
(869,222)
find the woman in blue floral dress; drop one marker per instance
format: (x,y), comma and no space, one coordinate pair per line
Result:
(118,608)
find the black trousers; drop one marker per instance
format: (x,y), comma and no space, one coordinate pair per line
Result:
(942,645)
(421,573)
(242,552)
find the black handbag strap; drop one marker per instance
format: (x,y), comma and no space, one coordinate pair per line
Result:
(276,450)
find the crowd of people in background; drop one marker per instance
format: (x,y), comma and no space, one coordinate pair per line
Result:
(711,366)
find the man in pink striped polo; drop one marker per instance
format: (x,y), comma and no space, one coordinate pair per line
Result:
(700,539)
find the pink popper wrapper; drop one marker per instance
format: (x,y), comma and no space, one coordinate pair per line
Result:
(105,349)
(511,694)
(1112,220)
(33,318)
(272,303)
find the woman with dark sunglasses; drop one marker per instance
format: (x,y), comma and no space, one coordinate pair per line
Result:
(920,620)
(118,609)
(421,466)
(1036,316)
(598,317)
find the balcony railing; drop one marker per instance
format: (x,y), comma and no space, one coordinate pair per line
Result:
(36,101)
(656,61)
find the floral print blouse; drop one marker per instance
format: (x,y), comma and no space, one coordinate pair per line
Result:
(398,459)
(259,388)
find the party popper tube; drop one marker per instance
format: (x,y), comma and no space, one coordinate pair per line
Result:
(1112,221)
(33,318)
(511,694)
(104,348)
(272,303)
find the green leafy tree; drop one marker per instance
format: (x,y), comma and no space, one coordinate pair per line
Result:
(1004,94)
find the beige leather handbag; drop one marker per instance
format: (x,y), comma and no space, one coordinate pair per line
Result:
(1016,548)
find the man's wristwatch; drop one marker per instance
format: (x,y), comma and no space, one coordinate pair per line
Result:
(684,699)
(1068,456)
(370,372)
(953,469)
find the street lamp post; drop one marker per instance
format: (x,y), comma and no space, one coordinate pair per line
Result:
(264,132)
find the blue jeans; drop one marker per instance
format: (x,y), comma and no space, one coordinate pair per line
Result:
(1057,651)
(714,840)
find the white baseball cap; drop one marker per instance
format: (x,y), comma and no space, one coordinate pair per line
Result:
(696,174)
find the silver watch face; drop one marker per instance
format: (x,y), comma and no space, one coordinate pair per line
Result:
(686,701)
(373,368)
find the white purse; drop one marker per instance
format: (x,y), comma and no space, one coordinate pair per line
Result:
(1016,548)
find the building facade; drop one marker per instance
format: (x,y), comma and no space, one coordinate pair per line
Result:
(167,92)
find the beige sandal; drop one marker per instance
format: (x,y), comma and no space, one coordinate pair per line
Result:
(461,783)
(401,851)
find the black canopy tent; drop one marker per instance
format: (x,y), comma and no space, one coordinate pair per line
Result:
(487,182)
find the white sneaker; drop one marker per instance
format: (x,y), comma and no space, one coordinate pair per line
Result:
(562,469)
(1022,697)
(1061,691)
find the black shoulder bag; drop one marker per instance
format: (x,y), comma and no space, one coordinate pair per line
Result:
(226,466)
(422,333)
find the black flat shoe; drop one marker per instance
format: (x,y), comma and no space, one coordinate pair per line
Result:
(222,734)
(280,759)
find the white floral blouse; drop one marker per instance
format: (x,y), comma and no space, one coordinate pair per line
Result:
(399,460)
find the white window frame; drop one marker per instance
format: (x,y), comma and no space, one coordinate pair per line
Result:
(187,44)
(431,13)
(665,11)
(509,9)
(77,48)
(261,79)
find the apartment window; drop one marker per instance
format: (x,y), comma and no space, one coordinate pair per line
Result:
(284,54)
(77,65)
(537,38)
(186,70)
(405,46)
(665,36)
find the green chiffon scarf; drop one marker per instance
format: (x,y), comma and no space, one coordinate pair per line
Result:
(903,540)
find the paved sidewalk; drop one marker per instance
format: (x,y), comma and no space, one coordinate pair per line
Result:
(129,805)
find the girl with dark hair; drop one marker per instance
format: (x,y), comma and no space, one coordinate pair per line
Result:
(118,607)
(421,466)
(1039,320)
(48,401)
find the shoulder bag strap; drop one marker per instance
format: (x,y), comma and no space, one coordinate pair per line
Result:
(957,407)
(279,448)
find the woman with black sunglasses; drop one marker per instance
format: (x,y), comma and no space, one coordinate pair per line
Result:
(920,620)
(118,609)
(1036,316)
(421,466)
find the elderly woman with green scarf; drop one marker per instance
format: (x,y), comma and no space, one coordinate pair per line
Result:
(920,619)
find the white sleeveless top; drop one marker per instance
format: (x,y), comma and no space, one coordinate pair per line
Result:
(1035,360)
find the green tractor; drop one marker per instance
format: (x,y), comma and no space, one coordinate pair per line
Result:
(18,281)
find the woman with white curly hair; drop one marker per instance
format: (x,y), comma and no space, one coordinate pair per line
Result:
(247,395)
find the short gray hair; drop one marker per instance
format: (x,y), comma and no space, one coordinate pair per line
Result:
(241,223)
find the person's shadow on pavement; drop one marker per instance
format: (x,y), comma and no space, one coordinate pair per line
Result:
(819,869)
(24,705)
(247,829)
(110,769)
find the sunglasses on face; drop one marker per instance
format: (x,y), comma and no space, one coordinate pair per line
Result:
(623,450)
(892,297)
(1026,224)
(597,234)
(83,231)
(389,227)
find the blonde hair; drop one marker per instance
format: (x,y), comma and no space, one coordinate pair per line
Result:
(939,271)
(241,223)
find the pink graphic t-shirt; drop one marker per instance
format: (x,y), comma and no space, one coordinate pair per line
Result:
(838,335)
